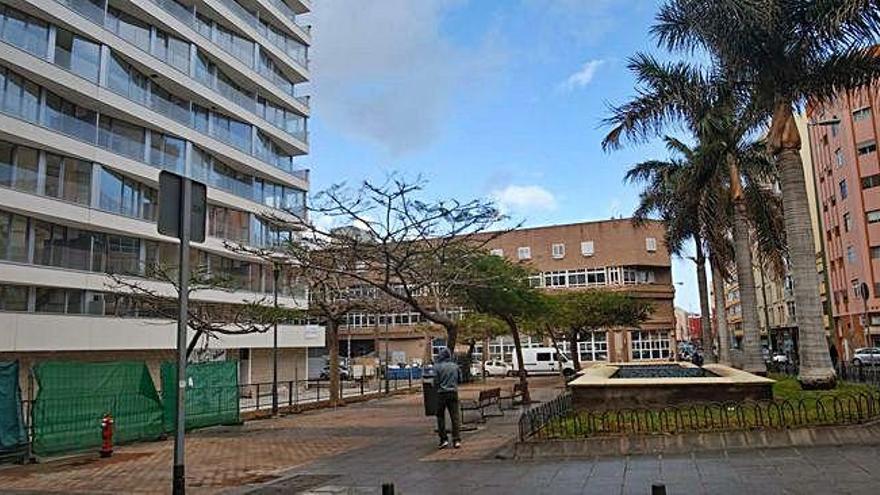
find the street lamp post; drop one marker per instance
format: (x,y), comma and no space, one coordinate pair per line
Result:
(276,275)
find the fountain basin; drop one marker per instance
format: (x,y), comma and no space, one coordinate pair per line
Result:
(628,385)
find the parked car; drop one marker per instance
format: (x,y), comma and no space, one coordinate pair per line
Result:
(780,358)
(496,368)
(343,372)
(539,360)
(866,355)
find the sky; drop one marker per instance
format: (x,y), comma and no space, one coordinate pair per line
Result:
(498,99)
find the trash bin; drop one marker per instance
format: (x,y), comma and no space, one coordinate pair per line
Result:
(429,394)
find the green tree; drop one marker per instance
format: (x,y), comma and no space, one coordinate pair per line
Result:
(480,327)
(783,53)
(501,288)
(589,310)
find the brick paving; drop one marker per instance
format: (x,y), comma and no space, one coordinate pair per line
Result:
(355,449)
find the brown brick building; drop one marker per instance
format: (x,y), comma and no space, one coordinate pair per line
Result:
(610,254)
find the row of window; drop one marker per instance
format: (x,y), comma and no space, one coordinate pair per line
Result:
(26,100)
(557,250)
(28,240)
(360,320)
(593,346)
(588,277)
(30,299)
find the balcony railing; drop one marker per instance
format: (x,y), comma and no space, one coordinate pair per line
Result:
(292,48)
(288,12)
(248,102)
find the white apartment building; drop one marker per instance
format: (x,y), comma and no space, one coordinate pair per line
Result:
(96,98)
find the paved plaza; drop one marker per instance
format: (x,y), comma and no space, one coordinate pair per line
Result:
(357,448)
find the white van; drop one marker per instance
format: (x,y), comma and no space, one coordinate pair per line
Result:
(542,360)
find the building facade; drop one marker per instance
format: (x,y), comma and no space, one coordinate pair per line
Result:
(608,255)
(843,137)
(98,97)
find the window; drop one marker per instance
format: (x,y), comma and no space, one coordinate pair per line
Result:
(167,151)
(866,147)
(13,237)
(555,279)
(68,118)
(233,225)
(26,169)
(587,248)
(68,178)
(843,191)
(172,50)
(77,54)
(524,253)
(121,137)
(544,356)
(873,216)
(839,158)
(847,222)
(128,27)
(649,345)
(26,32)
(125,196)
(650,244)
(50,300)
(835,127)
(558,251)
(870,181)
(875,252)
(593,347)
(126,80)
(233,131)
(496,252)
(850,254)
(13,298)
(861,114)
(123,254)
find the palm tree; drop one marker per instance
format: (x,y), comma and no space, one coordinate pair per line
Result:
(666,196)
(678,93)
(783,53)
(690,193)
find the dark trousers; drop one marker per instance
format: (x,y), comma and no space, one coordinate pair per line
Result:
(448,401)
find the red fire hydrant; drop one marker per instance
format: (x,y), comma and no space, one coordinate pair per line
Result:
(107,435)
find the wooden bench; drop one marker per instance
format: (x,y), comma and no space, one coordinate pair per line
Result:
(516,392)
(487,399)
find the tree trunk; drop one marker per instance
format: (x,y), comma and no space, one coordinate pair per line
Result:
(816,370)
(451,336)
(720,316)
(517,346)
(573,347)
(706,339)
(333,340)
(753,361)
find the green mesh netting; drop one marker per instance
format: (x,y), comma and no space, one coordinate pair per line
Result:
(72,398)
(13,439)
(211,394)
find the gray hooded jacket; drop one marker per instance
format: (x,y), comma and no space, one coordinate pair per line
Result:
(446,373)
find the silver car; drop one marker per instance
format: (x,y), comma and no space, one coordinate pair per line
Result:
(866,355)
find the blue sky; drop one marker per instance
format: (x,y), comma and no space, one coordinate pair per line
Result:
(497,99)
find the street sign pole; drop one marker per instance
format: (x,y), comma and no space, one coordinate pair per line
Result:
(179,487)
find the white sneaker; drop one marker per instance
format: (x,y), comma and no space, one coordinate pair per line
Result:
(444,444)
(456,445)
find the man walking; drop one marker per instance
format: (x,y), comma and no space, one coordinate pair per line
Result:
(446,376)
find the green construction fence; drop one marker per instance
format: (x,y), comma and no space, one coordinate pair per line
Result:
(72,397)
(13,438)
(212,395)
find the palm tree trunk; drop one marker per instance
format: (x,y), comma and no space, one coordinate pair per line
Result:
(706,339)
(816,370)
(720,316)
(753,361)
(517,346)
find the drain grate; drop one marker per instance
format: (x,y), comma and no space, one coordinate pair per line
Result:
(294,484)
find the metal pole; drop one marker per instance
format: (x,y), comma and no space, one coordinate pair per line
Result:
(387,385)
(179,479)
(276,273)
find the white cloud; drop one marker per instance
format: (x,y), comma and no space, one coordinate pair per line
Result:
(384,71)
(582,77)
(524,198)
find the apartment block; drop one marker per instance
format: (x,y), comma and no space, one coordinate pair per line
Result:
(843,136)
(96,98)
(607,255)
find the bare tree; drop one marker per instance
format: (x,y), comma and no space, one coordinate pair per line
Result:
(408,247)
(159,295)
